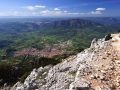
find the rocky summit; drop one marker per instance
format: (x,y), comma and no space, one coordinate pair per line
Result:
(95,68)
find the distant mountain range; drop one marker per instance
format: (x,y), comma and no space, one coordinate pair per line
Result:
(104,20)
(71,23)
(80,31)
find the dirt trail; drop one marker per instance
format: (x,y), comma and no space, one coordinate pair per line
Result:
(116,41)
(107,67)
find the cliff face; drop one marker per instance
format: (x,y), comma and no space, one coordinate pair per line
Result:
(96,68)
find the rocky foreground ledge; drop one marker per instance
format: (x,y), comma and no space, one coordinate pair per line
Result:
(96,68)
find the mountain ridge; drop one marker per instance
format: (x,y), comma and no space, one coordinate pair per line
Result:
(71,23)
(104,20)
(96,68)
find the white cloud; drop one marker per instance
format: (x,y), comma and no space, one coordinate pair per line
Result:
(100,9)
(82,13)
(77,13)
(16,13)
(39,6)
(65,11)
(34,7)
(52,13)
(56,9)
(59,12)
(34,13)
(46,12)
(73,13)
(95,12)
(2,14)
(30,7)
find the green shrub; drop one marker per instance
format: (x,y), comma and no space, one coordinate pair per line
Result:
(80,49)
(73,73)
(108,37)
(44,61)
(22,79)
(119,31)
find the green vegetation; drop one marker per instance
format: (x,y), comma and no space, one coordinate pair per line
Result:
(41,62)
(108,37)
(11,73)
(8,74)
(22,79)
(15,36)
(30,34)
(119,31)
(73,73)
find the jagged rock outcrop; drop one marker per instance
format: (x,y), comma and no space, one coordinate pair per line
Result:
(96,68)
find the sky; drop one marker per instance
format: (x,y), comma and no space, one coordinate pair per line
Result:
(60,8)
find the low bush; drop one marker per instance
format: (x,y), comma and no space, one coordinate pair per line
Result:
(108,37)
(22,79)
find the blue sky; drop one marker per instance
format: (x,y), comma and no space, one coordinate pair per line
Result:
(60,8)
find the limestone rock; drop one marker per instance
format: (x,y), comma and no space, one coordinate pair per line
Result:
(96,68)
